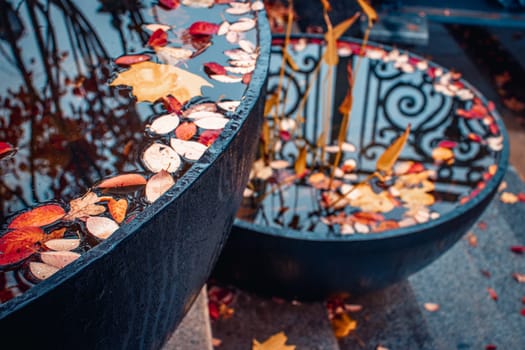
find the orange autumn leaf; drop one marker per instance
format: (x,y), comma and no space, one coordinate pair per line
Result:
(118,209)
(342,325)
(275,342)
(39,216)
(387,160)
(186,131)
(153,81)
(300,163)
(326,5)
(20,244)
(124,180)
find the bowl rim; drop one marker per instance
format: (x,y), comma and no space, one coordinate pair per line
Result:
(239,117)
(490,186)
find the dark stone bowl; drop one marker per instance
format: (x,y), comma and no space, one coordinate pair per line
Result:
(291,264)
(132,290)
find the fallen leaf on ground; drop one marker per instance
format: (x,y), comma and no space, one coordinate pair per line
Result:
(342,325)
(275,342)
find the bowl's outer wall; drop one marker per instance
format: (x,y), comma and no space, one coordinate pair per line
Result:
(134,294)
(305,269)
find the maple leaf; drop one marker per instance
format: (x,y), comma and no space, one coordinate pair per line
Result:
(152,81)
(342,325)
(275,342)
(84,207)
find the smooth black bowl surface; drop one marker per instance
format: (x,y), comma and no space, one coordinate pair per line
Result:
(133,289)
(294,264)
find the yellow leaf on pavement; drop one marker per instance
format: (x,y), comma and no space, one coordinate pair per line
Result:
(275,342)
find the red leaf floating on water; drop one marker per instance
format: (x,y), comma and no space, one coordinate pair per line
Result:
(171,104)
(123,180)
(474,137)
(131,59)
(518,249)
(20,244)
(5,148)
(39,216)
(186,131)
(447,144)
(213,310)
(158,38)
(169,4)
(246,78)
(491,347)
(208,137)
(212,68)
(203,28)
(521,196)
(522,312)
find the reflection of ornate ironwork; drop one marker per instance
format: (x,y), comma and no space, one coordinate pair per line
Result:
(386,100)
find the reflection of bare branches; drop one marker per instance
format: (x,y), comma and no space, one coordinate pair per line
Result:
(72,122)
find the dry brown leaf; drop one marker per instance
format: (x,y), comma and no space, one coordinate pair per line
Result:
(152,81)
(62,244)
(84,206)
(157,185)
(59,259)
(275,342)
(42,270)
(387,160)
(101,227)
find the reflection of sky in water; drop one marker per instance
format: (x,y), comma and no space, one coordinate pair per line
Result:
(99,124)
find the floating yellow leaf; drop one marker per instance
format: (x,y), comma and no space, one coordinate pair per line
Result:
(387,160)
(342,325)
(300,163)
(152,81)
(275,342)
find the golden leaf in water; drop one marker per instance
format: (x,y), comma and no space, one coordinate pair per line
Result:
(275,342)
(369,12)
(300,163)
(330,56)
(152,81)
(387,160)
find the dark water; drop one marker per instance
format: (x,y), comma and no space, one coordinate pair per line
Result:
(385,100)
(70,128)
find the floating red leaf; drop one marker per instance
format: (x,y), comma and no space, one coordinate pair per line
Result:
(186,131)
(491,347)
(158,38)
(123,180)
(518,249)
(39,216)
(131,59)
(169,4)
(20,244)
(203,28)
(208,137)
(171,104)
(447,144)
(521,196)
(212,68)
(5,149)
(246,78)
